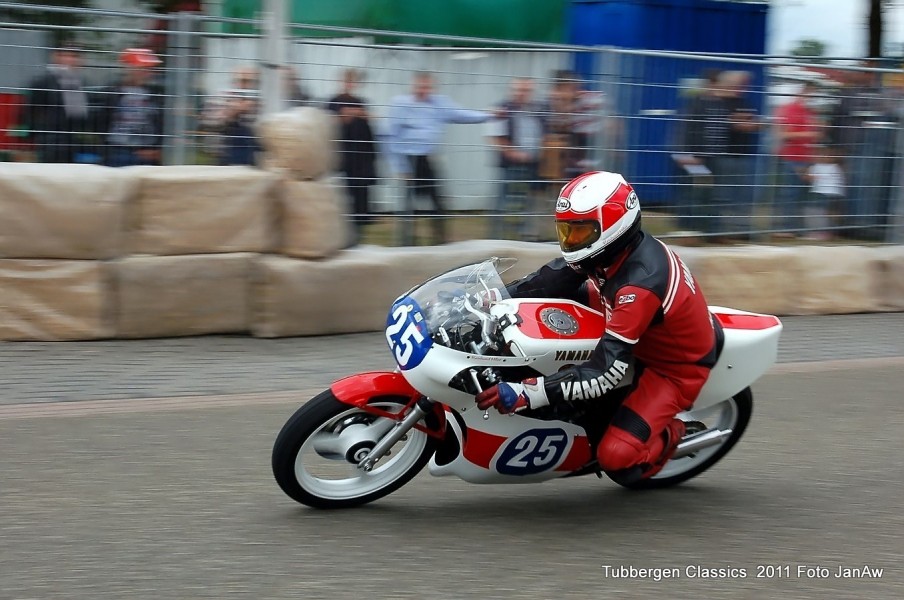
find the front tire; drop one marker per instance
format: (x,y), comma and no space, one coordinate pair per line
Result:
(733,414)
(315,464)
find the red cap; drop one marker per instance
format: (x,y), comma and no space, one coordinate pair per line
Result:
(139,57)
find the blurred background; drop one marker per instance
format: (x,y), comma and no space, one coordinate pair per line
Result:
(136,463)
(736,121)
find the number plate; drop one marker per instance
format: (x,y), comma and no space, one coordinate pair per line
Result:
(407,334)
(533,451)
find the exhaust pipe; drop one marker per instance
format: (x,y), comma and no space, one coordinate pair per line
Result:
(699,441)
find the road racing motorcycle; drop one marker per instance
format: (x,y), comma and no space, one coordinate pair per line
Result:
(460,332)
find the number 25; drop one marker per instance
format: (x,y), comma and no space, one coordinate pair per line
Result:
(404,347)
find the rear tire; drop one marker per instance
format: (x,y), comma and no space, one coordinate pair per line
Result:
(743,403)
(316,417)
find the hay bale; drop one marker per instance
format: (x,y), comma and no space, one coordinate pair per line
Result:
(313,222)
(200,210)
(888,282)
(301,141)
(834,280)
(349,293)
(167,296)
(54,300)
(353,290)
(62,211)
(755,278)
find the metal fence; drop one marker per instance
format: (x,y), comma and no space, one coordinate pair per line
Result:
(720,148)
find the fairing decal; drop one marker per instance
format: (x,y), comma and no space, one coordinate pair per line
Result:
(480,448)
(747,321)
(592,325)
(358,389)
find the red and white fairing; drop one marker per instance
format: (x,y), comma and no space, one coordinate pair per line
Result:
(548,336)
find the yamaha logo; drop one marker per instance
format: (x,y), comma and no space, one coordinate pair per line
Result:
(562,205)
(631,202)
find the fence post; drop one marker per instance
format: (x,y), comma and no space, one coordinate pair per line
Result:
(178,89)
(895,233)
(273,55)
(767,168)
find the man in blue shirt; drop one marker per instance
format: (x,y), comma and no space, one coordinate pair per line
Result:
(416,125)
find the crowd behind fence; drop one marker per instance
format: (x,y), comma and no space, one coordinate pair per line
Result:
(445,141)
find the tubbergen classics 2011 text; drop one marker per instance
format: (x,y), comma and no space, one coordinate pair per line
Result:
(776,571)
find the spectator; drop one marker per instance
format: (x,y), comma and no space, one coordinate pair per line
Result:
(864,124)
(594,125)
(797,132)
(415,129)
(131,116)
(518,135)
(737,166)
(294,94)
(706,132)
(826,179)
(357,147)
(57,108)
(561,156)
(230,118)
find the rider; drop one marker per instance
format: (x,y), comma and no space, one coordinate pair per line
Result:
(655,314)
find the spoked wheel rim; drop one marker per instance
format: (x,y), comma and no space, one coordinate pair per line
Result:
(324,465)
(723,415)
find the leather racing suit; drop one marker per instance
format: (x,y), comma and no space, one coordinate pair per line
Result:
(655,314)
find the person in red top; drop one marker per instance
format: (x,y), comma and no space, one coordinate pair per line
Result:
(656,316)
(797,133)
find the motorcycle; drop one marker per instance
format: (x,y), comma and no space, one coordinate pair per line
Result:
(460,332)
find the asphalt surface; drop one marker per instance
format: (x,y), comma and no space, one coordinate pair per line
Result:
(122,476)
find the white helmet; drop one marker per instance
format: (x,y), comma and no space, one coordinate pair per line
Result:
(597,216)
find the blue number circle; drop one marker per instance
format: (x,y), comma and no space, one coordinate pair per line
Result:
(407,333)
(534,451)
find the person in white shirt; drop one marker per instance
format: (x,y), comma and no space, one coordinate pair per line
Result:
(827,183)
(416,125)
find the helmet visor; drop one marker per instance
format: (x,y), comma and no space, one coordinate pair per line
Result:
(577,235)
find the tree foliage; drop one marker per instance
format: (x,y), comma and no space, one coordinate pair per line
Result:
(810,48)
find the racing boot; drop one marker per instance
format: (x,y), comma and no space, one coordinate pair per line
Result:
(672,435)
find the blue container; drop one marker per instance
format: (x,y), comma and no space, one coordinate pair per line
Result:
(651,97)
(690,25)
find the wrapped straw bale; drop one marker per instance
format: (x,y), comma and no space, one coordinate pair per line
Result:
(201,210)
(63,211)
(54,300)
(300,141)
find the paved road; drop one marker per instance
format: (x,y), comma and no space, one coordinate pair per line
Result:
(47,372)
(174,498)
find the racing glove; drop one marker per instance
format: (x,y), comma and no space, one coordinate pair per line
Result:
(513,397)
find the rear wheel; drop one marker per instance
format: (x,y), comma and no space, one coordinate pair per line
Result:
(316,454)
(733,414)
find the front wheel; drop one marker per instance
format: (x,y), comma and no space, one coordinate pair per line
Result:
(733,414)
(316,455)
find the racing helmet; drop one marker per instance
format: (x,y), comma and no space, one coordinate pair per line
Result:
(597,217)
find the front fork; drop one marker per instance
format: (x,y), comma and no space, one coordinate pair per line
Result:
(358,390)
(421,408)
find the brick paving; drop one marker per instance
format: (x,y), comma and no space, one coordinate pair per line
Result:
(216,365)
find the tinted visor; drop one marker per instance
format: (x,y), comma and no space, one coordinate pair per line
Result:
(577,235)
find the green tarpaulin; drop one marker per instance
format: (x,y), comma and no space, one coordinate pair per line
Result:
(523,20)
